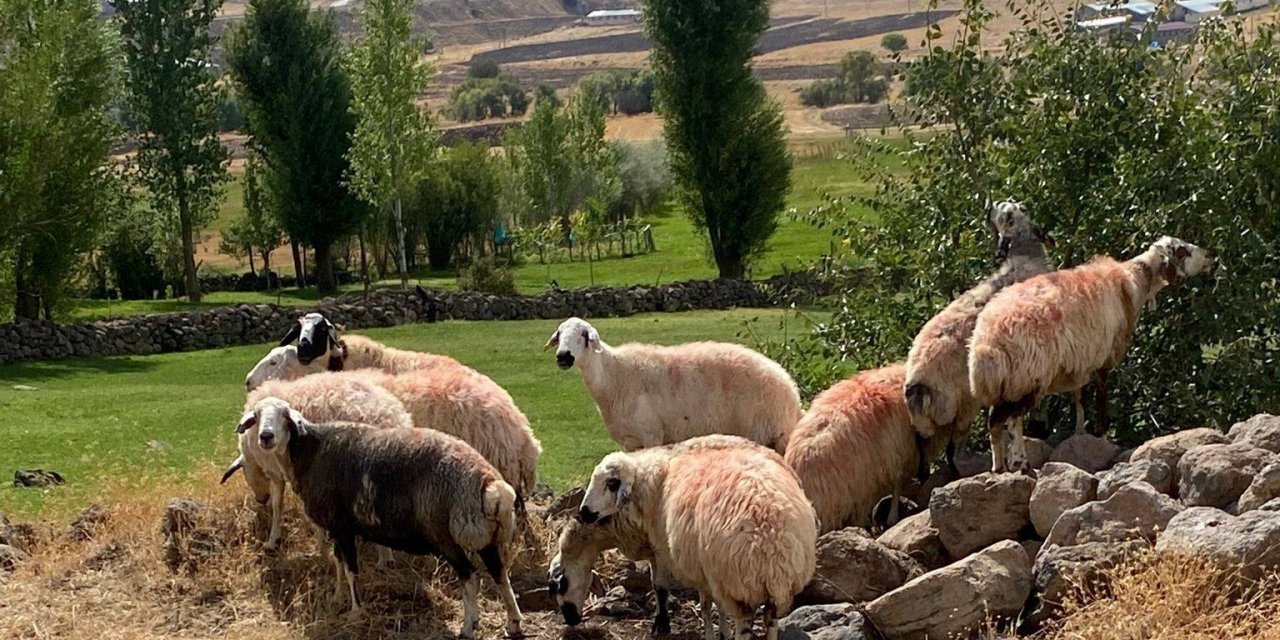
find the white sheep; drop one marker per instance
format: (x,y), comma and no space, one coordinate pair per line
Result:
(853,446)
(1052,333)
(439,392)
(348,398)
(937,384)
(733,522)
(415,490)
(650,395)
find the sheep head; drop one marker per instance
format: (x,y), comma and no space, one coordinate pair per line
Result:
(275,422)
(315,336)
(1011,222)
(280,363)
(610,489)
(1181,259)
(573,340)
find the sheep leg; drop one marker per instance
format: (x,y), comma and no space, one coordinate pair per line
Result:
(724,623)
(492,558)
(770,622)
(277,507)
(1018,446)
(922,458)
(708,628)
(1077,395)
(384,557)
(1100,402)
(897,498)
(951,459)
(662,621)
(344,549)
(997,431)
(470,607)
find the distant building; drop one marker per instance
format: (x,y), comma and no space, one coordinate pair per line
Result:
(1100,26)
(1137,11)
(606,17)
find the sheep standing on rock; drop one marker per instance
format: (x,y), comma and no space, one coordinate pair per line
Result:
(1052,333)
(327,398)
(937,384)
(650,395)
(854,446)
(734,524)
(415,490)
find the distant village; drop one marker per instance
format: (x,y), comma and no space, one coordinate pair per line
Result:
(1143,19)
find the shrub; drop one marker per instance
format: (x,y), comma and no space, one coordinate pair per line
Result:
(547,93)
(484,98)
(482,68)
(894,42)
(860,80)
(645,181)
(488,275)
(625,92)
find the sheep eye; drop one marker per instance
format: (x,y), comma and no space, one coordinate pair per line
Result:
(613,484)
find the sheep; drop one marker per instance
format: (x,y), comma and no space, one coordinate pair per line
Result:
(937,384)
(327,398)
(732,523)
(416,490)
(1052,333)
(854,446)
(438,391)
(651,395)
(580,545)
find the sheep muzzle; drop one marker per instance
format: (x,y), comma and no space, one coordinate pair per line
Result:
(564,360)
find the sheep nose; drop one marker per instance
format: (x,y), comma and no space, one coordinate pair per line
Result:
(587,515)
(267,438)
(564,360)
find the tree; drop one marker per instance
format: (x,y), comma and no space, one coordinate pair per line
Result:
(860,74)
(175,99)
(285,63)
(725,135)
(393,137)
(258,229)
(894,42)
(482,68)
(57,184)
(457,203)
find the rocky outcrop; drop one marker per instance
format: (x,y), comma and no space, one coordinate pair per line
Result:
(854,568)
(1060,487)
(1216,475)
(973,513)
(1136,511)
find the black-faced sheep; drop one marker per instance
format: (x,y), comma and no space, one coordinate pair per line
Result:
(415,490)
(937,385)
(650,395)
(734,523)
(1052,333)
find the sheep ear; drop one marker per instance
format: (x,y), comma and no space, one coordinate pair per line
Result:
(553,341)
(294,332)
(296,422)
(333,336)
(236,465)
(247,421)
(624,495)
(337,357)
(1002,248)
(593,339)
(1042,236)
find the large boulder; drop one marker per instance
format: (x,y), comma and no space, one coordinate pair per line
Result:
(917,537)
(1247,545)
(1061,570)
(854,568)
(1038,452)
(1153,472)
(971,514)
(1170,449)
(1262,431)
(1216,475)
(1264,488)
(824,622)
(956,600)
(1091,453)
(1061,486)
(1135,511)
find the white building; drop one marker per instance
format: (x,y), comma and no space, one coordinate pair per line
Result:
(606,17)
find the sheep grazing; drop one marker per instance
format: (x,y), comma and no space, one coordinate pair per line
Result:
(1052,333)
(937,384)
(651,395)
(855,445)
(327,398)
(580,546)
(415,490)
(733,522)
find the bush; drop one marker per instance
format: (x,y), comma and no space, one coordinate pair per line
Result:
(488,275)
(230,117)
(482,68)
(645,181)
(484,98)
(457,204)
(625,92)
(860,80)
(894,42)
(547,93)
(1112,144)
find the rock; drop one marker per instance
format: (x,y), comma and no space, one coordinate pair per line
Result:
(1153,472)
(11,557)
(543,492)
(180,516)
(917,537)
(86,524)
(1059,570)
(958,599)
(1061,486)
(1038,452)
(1248,544)
(1264,488)
(1271,505)
(854,568)
(1170,449)
(539,599)
(972,463)
(1216,475)
(1262,431)
(6,531)
(37,478)
(1088,452)
(1135,511)
(1123,456)
(1032,547)
(971,514)
(824,622)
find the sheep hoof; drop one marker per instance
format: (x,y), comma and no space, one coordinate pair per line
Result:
(514,630)
(661,629)
(353,615)
(271,548)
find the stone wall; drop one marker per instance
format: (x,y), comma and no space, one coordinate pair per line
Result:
(256,323)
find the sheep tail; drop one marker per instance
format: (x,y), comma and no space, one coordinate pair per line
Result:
(986,374)
(236,465)
(500,508)
(919,398)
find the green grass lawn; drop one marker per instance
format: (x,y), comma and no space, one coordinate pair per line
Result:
(169,418)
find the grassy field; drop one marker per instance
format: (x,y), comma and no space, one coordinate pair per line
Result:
(169,418)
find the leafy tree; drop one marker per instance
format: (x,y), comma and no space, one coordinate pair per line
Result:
(547,92)
(57,184)
(174,97)
(860,80)
(482,98)
(284,61)
(482,68)
(894,42)
(393,137)
(458,203)
(725,135)
(257,229)
(230,118)
(644,182)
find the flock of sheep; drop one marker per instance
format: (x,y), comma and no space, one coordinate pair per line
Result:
(724,482)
